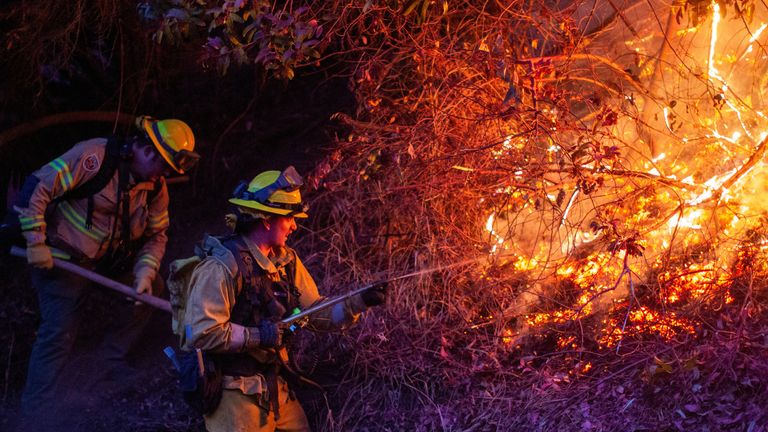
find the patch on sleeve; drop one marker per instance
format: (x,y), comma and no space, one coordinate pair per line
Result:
(91,163)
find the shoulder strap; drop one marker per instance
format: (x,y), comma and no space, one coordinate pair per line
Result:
(214,247)
(290,268)
(124,203)
(114,152)
(256,300)
(117,153)
(156,187)
(236,247)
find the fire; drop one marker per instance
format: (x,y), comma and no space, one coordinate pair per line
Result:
(689,220)
(644,321)
(508,336)
(695,282)
(686,210)
(497,240)
(713,73)
(712,186)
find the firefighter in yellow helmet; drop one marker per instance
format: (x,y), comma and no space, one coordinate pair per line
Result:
(104,205)
(245,284)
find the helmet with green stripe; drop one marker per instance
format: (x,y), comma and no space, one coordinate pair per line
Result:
(173,139)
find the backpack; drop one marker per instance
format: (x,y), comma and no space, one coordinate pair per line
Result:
(200,376)
(180,276)
(178,284)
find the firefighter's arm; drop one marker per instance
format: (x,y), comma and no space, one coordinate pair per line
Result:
(211,298)
(151,253)
(51,181)
(207,318)
(336,317)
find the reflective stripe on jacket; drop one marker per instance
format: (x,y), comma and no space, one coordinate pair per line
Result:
(64,223)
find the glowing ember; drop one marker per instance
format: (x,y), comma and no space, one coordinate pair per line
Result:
(694,283)
(645,321)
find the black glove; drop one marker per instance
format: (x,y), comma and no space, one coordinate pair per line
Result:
(375,295)
(270,334)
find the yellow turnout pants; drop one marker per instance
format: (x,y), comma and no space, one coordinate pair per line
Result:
(239,412)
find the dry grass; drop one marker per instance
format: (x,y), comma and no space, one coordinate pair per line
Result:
(527,114)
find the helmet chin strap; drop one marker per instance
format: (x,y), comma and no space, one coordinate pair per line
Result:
(150,156)
(259,239)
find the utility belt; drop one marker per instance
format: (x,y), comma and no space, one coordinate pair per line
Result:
(114,262)
(201,376)
(244,365)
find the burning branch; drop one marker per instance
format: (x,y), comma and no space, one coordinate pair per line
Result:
(756,157)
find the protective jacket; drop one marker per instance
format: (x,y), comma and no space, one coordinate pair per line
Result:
(87,239)
(242,290)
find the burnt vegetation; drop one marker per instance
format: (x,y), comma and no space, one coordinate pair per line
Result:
(579,187)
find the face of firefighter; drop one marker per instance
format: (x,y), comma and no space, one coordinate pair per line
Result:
(279,228)
(148,164)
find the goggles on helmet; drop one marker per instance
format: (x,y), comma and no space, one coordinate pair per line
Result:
(289,180)
(184,160)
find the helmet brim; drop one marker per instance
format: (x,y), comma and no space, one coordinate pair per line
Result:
(267,209)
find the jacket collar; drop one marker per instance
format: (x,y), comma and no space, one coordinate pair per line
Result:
(268,263)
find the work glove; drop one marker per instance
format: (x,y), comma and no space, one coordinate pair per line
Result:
(142,282)
(267,335)
(38,253)
(375,295)
(39,256)
(270,334)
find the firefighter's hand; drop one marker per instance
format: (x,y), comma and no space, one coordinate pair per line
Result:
(142,282)
(39,256)
(375,295)
(270,334)
(38,253)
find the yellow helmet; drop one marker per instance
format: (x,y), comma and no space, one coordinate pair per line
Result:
(173,139)
(272,192)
